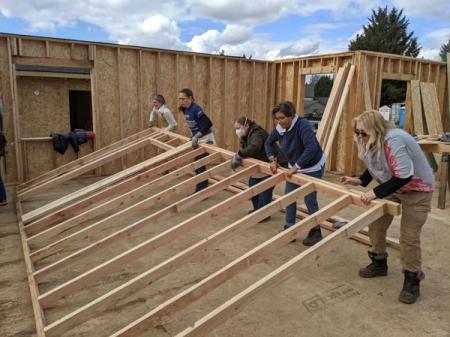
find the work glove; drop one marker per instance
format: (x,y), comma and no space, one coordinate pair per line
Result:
(235,162)
(195,140)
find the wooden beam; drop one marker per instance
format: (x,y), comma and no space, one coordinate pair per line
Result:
(122,215)
(39,212)
(34,291)
(50,62)
(131,286)
(81,161)
(83,169)
(122,200)
(417,107)
(120,187)
(245,261)
(339,111)
(218,316)
(167,211)
(15,117)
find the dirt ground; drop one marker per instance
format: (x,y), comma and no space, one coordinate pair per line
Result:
(325,299)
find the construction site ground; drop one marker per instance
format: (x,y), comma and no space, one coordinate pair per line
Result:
(324,299)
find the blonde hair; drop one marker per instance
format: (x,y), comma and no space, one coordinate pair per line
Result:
(376,127)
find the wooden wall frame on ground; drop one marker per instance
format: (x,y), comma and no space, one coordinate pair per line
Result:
(88,251)
(37,74)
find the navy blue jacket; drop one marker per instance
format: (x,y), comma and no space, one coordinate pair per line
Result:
(197,120)
(299,143)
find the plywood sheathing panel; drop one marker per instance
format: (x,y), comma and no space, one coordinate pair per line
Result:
(34,48)
(129,96)
(108,100)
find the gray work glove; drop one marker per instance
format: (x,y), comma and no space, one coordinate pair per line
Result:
(195,140)
(235,162)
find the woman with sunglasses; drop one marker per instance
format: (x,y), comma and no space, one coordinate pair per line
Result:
(252,138)
(298,141)
(395,160)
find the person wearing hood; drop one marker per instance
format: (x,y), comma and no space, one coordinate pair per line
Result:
(298,141)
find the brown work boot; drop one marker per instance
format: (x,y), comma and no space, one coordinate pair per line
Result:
(378,267)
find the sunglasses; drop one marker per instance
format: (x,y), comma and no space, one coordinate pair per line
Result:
(360,133)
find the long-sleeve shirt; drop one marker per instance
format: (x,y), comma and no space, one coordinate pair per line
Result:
(401,168)
(163,111)
(197,120)
(299,143)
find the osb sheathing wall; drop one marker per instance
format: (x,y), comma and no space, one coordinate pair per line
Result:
(370,66)
(123,80)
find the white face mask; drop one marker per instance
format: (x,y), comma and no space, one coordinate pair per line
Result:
(240,133)
(280,129)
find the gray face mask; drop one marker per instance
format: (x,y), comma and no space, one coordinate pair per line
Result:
(240,133)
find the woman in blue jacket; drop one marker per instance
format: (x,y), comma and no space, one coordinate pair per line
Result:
(299,143)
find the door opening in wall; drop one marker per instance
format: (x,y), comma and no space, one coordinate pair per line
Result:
(80,110)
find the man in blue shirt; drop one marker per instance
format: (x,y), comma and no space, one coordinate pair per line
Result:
(299,143)
(200,126)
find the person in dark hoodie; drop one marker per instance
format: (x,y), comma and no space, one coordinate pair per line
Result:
(252,138)
(298,141)
(200,125)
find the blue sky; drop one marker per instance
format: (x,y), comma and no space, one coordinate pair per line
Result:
(264,29)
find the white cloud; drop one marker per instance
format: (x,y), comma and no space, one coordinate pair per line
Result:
(430,8)
(213,40)
(157,24)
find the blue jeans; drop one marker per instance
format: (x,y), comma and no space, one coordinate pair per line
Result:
(203,184)
(263,198)
(310,199)
(2,191)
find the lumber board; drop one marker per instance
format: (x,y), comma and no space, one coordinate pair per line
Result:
(337,115)
(124,232)
(417,107)
(122,215)
(82,169)
(124,199)
(34,291)
(79,205)
(328,113)
(431,108)
(81,161)
(218,316)
(141,280)
(243,262)
(44,210)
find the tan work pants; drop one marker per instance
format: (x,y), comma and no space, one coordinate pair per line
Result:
(415,208)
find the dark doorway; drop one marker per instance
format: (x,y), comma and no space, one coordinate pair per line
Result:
(80,110)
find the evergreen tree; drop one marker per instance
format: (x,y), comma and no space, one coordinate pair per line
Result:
(387,32)
(322,87)
(445,48)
